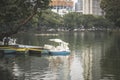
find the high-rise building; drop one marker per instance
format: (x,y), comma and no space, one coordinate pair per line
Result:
(96,7)
(89,7)
(79,6)
(62,6)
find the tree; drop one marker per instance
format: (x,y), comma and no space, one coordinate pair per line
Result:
(72,20)
(77,20)
(14,14)
(112,10)
(49,19)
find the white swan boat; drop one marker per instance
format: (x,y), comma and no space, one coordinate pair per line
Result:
(61,49)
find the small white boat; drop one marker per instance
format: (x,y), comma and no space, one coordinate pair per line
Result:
(8,41)
(61,49)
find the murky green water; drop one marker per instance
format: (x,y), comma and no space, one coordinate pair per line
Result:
(94,56)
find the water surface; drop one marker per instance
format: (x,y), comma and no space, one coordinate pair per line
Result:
(94,56)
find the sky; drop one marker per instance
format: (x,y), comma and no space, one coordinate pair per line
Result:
(75,0)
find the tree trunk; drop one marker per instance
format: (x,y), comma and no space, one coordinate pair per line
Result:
(10,33)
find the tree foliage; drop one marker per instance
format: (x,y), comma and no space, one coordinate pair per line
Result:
(70,21)
(47,20)
(77,20)
(15,13)
(50,19)
(112,10)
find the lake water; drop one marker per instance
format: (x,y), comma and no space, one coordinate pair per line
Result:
(94,56)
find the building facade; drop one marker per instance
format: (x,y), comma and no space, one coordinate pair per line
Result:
(96,7)
(61,6)
(79,6)
(89,7)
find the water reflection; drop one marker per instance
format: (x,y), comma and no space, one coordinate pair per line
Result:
(110,62)
(94,56)
(9,68)
(76,68)
(48,68)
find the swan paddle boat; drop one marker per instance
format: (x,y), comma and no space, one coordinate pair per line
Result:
(61,49)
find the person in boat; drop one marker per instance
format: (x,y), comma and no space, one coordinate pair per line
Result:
(12,41)
(6,40)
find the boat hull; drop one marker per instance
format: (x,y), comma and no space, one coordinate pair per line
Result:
(59,53)
(9,51)
(33,52)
